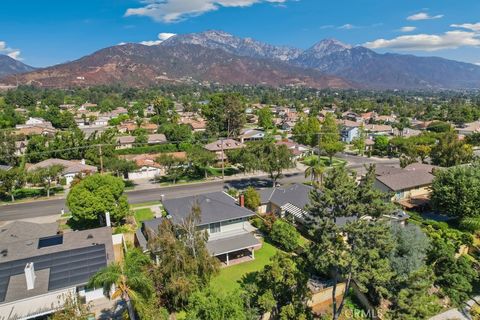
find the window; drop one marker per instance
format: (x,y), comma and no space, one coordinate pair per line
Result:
(215,227)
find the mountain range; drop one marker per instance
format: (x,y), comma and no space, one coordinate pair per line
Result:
(219,57)
(11,66)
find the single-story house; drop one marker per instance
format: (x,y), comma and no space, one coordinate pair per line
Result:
(251,135)
(220,146)
(125,142)
(230,234)
(469,128)
(156,138)
(148,168)
(40,267)
(412,182)
(290,203)
(298,150)
(196,123)
(70,168)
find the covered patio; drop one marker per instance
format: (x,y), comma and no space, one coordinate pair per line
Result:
(234,249)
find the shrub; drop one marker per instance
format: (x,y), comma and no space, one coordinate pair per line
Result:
(257,223)
(285,235)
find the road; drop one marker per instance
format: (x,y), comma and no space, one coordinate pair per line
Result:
(44,208)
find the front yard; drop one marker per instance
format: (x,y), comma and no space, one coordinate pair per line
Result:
(229,277)
(143,214)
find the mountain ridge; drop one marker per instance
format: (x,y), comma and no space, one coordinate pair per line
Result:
(9,66)
(225,58)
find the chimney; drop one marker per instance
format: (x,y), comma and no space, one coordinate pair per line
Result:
(242,200)
(107,219)
(30,275)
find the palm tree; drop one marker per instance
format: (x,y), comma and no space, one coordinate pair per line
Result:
(131,284)
(315,171)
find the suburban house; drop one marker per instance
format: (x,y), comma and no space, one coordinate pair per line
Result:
(148,168)
(5,167)
(350,133)
(70,168)
(220,146)
(251,135)
(127,142)
(230,236)
(41,267)
(468,128)
(379,129)
(196,123)
(130,126)
(298,150)
(410,186)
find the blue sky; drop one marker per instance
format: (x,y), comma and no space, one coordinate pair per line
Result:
(43,33)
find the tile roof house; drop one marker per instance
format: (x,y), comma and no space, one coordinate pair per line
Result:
(220,146)
(297,150)
(225,221)
(196,123)
(70,168)
(148,168)
(40,268)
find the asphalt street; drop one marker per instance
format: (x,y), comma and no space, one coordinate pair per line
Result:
(44,208)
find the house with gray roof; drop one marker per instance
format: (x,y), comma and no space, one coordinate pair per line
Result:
(225,221)
(414,181)
(291,203)
(70,168)
(40,267)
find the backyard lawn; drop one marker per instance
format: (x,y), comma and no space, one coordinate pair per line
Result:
(143,214)
(228,277)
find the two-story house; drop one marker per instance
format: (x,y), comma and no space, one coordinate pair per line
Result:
(230,235)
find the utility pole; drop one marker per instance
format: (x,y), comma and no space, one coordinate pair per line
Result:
(223,160)
(101,157)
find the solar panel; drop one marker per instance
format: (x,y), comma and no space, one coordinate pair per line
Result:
(67,268)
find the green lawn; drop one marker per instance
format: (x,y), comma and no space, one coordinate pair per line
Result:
(145,204)
(143,214)
(325,160)
(228,278)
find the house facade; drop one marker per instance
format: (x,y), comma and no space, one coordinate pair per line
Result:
(226,222)
(70,168)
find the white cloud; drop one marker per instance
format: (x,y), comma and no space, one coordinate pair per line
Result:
(408,29)
(423,16)
(428,42)
(477,63)
(347,26)
(12,53)
(469,26)
(169,11)
(162,36)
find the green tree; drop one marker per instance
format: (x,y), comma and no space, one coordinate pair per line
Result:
(201,159)
(439,127)
(45,176)
(252,198)
(120,167)
(7,148)
(213,305)
(94,196)
(449,151)
(37,149)
(330,137)
(315,170)
(225,114)
(454,275)
(11,180)
(370,200)
(381,145)
(456,192)
(280,288)
(414,301)
(272,158)
(131,284)
(306,131)
(284,234)
(184,264)
(359,142)
(265,118)
(174,166)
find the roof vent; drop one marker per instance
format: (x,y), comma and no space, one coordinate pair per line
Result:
(4,252)
(90,236)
